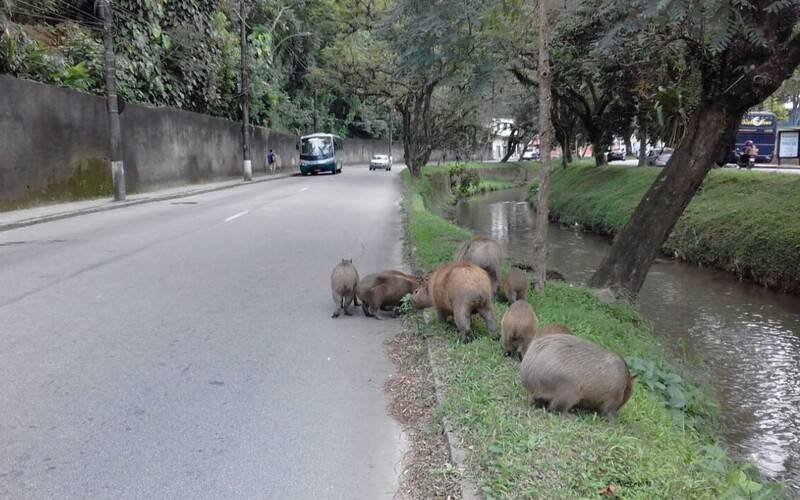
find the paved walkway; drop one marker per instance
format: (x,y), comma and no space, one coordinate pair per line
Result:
(46,213)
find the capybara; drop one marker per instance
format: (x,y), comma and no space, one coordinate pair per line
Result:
(384,291)
(344,280)
(514,285)
(518,328)
(459,289)
(567,371)
(485,253)
(553,329)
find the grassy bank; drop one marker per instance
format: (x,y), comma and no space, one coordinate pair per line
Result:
(662,445)
(742,222)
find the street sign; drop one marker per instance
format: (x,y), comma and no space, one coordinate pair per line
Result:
(788,143)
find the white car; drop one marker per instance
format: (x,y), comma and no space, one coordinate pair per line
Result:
(380,161)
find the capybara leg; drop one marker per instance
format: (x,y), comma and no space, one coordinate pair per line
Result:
(376,312)
(462,318)
(488,317)
(337,299)
(365,308)
(355,300)
(493,277)
(563,403)
(347,301)
(609,409)
(442,316)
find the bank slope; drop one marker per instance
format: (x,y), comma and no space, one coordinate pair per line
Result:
(742,222)
(661,446)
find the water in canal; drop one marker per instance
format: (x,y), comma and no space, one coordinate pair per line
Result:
(747,337)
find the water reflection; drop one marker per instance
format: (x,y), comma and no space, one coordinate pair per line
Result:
(748,338)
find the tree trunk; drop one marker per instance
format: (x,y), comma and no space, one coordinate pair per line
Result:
(635,247)
(511,146)
(542,197)
(643,148)
(628,147)
(599,154)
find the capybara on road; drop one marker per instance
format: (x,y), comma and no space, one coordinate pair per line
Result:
(485,253)
(383,291)
(567,371)
(459,289)
(344,280)
(518,328)
(514,285)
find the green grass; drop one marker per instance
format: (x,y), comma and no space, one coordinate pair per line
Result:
(742,222)
(662,445)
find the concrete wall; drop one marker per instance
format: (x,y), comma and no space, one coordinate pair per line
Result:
(54,146)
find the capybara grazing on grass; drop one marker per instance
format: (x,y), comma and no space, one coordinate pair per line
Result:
(344,280)
(514,285)
(518,328)
(567,371)
(554,329)
(485,253)
(458,289)
(384,291)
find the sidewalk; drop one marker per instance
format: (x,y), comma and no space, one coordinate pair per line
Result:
(45,213)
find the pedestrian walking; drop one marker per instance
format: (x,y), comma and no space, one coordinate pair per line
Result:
(271,161)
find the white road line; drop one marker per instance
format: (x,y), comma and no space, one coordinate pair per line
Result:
(236,216)
(304,189)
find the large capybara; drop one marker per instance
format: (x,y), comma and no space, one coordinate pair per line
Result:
(458,289)
(485,253)
(518,328)
(384,291)
(567,371)
(514,285)
(344,280)
(554,329)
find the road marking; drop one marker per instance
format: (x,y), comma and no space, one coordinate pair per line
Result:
(236,216)
(304,189)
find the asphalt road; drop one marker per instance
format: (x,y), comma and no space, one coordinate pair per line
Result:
(184,349)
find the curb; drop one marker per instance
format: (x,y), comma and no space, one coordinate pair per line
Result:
(458,455)
(106,208)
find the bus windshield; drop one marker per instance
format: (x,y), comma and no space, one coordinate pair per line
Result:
(316,147)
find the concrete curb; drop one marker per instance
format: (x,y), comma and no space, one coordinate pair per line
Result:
(458,455)
(124,204)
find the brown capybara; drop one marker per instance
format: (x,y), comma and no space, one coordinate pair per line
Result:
(384,291)
(459,289)
(514,285)
(518,328)
(553,329)
(485,253)
(344,280)
(567,371)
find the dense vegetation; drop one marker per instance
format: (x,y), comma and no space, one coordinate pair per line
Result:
(661,446)
(742,222)
(187,55)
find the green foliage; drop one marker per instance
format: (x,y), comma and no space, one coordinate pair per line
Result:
(742,222)
(652,450)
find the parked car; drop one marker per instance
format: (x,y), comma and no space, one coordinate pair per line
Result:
(380,161)
(660,158)
(615,156)
(530,155)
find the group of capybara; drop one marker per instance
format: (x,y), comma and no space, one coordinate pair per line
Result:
(559,370)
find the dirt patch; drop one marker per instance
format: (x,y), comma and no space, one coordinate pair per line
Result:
(427,471)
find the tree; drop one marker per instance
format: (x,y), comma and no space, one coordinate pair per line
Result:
(790,92)
(741,51)
(542,201)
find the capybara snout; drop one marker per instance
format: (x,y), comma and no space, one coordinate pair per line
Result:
(344,280)
(567,371)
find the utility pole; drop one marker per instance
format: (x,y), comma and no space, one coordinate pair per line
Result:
(316,118)
(247,165)
(117,166)
(390,139)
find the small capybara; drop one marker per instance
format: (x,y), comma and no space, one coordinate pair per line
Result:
(344,280)
(553,329)
(458,289)
(384,291)
(514,285)
(485,253)
(567,371)
(518,328)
